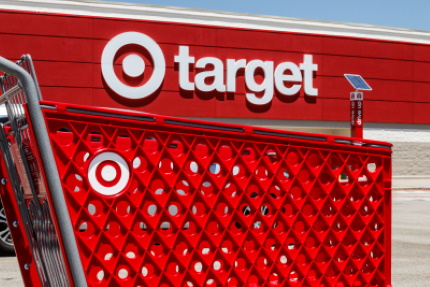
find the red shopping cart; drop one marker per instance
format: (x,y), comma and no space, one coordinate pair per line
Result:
(102,197)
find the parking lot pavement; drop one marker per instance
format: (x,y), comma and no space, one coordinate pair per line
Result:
(9,272)
(411,243)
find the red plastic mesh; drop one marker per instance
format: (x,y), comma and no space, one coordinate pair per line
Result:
(202,208)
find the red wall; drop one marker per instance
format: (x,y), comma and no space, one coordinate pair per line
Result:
(67,52)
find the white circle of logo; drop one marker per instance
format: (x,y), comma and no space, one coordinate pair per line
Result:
(133,65)
(108,173)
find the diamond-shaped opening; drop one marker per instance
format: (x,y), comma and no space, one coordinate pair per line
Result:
(284,173)
(320,225)
(356,194)
(81,155)
(208,186)
(237,225)
(182,247)
(377,280)
(368,267)
(205,247)
(275,277)
(114,228)
(226,151)
(322,256)
(332,271)
(330,240)
(254,192)
(254,279)
(157,248)
(366,209)
(241,262)
(166,226)
(303,258)
(374,164)
(174,266)
(309,209)
(229,245)
(141,226)
(151,144)
(294,157)
(305,175)
(258,225)
(339,224)
(375,194)
(326,177)
(358,253)
(347,209)
(377,252)
(280,226)
(300,226)
(262,172)
(231,190)
(288,208)
(123,141)
(349,239)
(337,194)
(97,274)
(214,226)
(166,166)
(358,224)
(202,149)
(197,265)
(359,281)
(342,282)
(367,238)
(297,193)
(124,270)
(314,274)
(350,269)
(335,161)
(250,244)
(328,210)
(354,162)
(176,146)
(132,249)
(76,182)
(295,276)
(182,187)
(240,169)
(222,207)
(341,255)
(276,192)
(314,159)
(312,240)
(263,261)
(94,139)
(141,164)
(271,244)
(106,252)
(376,224)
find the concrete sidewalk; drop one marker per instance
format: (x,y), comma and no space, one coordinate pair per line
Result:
(411,238)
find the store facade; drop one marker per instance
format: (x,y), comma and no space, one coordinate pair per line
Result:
(259,70)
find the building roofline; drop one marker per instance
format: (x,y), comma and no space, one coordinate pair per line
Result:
(215,18)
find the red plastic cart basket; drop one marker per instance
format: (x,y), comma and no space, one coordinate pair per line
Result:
(102,197)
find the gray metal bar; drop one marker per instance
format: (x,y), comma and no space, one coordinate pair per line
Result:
(50,168)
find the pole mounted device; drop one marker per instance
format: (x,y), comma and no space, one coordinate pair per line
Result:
(356,106)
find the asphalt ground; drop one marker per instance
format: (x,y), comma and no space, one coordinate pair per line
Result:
(411,243)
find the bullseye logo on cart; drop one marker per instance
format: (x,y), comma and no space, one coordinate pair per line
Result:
(211,73)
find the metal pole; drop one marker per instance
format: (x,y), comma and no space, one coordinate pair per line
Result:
(356,109)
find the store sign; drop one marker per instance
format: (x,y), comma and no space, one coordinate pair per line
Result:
(211,73)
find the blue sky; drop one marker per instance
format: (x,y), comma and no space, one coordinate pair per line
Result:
(412,14)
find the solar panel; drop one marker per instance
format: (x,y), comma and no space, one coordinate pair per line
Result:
(358,82)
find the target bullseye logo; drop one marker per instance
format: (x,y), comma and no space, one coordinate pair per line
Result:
(133,65)
(108,173)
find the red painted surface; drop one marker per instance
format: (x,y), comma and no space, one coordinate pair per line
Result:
(67,52)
